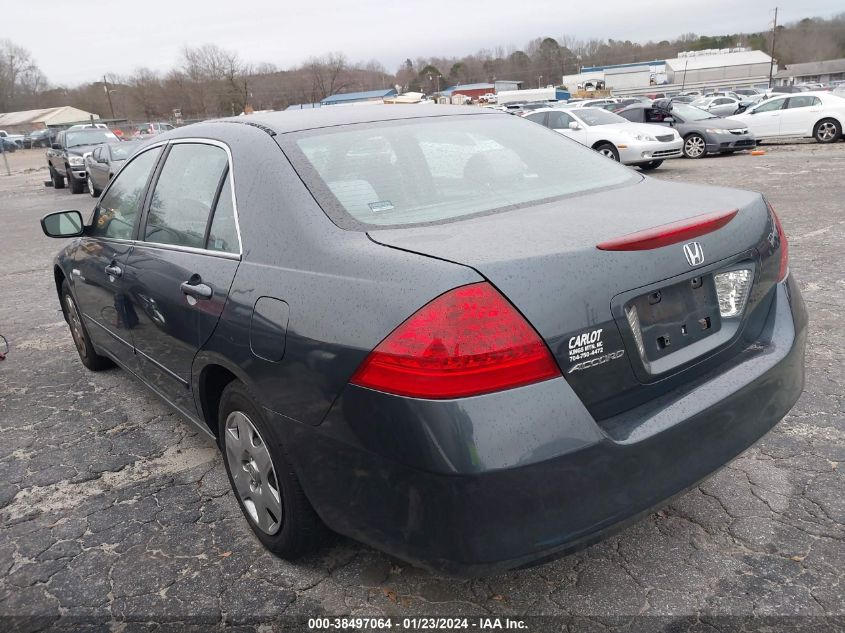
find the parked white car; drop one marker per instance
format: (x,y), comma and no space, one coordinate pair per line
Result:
(819,115)
(718,105)
(641,144)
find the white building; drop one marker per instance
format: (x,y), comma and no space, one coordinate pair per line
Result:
(27,120)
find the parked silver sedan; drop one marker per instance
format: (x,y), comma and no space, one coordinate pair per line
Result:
(719,106)
(104,162)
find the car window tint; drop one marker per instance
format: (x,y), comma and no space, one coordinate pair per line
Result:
(184,193)
(537,117)
(771,106)
(804,101)
(115,215)
(223,234)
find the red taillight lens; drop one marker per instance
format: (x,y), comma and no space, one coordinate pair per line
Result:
(784,246)
(466,342)
(671,233)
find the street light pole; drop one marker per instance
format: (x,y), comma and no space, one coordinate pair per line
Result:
(108,94)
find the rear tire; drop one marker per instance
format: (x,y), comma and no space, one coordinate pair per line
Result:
(264,483)
(608,150)
(695,146)
(827,131)
(58,179)
(652,164)
(87,354)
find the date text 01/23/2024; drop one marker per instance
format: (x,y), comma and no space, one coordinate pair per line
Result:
(416,624)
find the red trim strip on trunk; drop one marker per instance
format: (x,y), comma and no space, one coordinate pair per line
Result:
(671,233)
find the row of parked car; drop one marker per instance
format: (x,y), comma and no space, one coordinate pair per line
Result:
(86,157)
(644,132)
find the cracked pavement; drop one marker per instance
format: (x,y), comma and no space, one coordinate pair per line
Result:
(114,508)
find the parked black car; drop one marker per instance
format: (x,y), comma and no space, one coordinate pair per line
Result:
(66,157)
(105,161)
(454,335)
(40,138)
(703,133)
(7,145)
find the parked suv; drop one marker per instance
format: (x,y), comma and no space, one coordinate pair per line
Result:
(66,157)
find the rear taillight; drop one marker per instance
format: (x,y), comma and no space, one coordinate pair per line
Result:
(784,245)
(466,342)
(671,233)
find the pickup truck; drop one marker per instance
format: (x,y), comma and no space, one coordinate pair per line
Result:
(17,139)
(66,156)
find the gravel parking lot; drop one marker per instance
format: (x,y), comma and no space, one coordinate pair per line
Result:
(112,507)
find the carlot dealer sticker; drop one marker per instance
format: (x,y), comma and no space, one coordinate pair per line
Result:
(585,345)
(587,350)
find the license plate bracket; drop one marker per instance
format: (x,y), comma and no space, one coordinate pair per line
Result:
(676,316)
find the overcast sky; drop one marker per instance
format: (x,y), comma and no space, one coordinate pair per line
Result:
(80,44)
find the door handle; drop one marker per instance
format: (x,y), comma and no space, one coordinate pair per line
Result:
(196,289)
(114,271)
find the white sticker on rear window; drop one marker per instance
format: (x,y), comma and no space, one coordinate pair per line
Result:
(381,205)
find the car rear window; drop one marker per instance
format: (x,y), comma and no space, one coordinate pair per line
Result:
(437,169)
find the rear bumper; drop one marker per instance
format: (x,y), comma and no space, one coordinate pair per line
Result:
(503,481)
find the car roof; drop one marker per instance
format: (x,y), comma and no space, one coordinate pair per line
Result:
(287,121)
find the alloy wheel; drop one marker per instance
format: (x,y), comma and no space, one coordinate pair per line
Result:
(253,473)
(826,131)
(606,151)
(75,323)
(91,187)
(694,146)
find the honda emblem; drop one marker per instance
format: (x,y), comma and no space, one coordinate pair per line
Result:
(694,253)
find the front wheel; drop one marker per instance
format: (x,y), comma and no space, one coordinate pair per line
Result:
(58,179)
(652,164)
(87,354)
(695,146)
(265,484)
(607,149)
(827,131)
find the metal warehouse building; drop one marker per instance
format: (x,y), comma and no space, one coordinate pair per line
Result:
(719,66)
(823,72)
(26,120)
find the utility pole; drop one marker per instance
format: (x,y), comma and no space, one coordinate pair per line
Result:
(684,80)
(108,94)
(772,51)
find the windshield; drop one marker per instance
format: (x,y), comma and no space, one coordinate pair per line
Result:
(690,112)
(398,173)
(89,137)
(596,116)
(122,151)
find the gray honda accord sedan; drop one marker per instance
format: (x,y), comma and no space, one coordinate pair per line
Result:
(448,333)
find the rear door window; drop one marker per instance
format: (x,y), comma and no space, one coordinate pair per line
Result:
(804,101)
(184,194)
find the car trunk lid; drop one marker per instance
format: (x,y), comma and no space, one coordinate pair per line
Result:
(545,260)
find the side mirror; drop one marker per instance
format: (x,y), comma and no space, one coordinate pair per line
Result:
(102,159)
(63,224)
(56,145)
(574,126)
(669,120)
